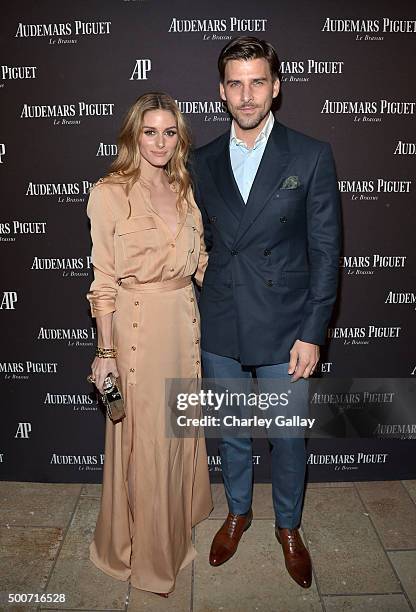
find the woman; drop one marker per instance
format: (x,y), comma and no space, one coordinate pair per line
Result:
(147,237)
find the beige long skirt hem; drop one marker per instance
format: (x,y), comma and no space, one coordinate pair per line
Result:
(98,565)
(188,559)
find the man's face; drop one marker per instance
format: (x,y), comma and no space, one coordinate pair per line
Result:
(248,90)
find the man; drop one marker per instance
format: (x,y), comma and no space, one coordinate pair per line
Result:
(270,205)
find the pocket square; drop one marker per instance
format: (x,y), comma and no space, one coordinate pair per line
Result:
(291,182)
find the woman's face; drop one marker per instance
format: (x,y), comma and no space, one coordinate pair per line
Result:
(159,137)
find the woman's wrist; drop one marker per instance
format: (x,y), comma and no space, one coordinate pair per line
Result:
(106,353)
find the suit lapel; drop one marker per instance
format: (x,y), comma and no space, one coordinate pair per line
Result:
(222,174)
(269,175)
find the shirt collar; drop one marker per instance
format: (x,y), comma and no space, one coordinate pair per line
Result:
(263,136)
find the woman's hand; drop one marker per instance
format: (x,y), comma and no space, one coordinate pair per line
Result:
(101,368)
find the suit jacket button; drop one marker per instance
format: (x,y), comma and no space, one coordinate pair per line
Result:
(267,252)
(269,283)
(234,252)
(283,219)
(213,219)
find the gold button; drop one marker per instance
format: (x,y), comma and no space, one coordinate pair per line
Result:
(192,300)
(119,281)
(197,341)
(193,320)
(197,363)
(133,348)
(131,369)
(171,269)
(134,324)
(136,303)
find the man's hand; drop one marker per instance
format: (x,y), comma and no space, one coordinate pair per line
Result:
(303,359)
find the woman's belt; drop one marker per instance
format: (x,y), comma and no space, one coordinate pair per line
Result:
(167,285)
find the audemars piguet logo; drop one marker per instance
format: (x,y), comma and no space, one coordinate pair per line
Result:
(361,398)
(402,431)
(70,267)
(325,367)
(17,73)
(67,114)
(370,189)
(10,229)
(8,300)
(80,462)
(106,150)
(364,335)
(63,33)
(214,462)
(218,29)
(23,430)
(405,148)
(299,71)
(141,69)
(78,402)
(212,110)
(401,297)
(370,29)
(368,111)
(359,265)
(67,193)
(71,336)
(350,461)
(21,370)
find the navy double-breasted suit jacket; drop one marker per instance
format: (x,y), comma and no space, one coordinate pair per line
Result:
(273,262)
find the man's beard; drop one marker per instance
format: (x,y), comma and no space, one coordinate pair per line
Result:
(251,122)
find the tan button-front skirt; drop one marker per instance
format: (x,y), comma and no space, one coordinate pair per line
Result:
(147,538)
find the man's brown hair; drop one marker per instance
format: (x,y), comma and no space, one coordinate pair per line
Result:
(247,48)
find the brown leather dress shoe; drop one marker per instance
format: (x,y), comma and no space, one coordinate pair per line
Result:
(297,559)
(228,536)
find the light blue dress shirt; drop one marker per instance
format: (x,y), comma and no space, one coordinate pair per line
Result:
(244,161)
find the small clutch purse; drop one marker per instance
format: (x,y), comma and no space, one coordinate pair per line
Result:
(112,399)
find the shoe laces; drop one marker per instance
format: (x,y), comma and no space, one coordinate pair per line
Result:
(232,524)
(292,541)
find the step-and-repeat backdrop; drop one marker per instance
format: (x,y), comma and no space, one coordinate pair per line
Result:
(68,73)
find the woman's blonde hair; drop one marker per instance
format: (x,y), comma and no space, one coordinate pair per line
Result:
(126,167)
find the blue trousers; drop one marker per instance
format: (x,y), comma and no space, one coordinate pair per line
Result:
(288,454)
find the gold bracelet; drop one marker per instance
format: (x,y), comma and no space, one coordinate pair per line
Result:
(106,353)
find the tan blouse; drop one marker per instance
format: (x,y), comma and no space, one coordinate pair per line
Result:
(137,243)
